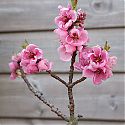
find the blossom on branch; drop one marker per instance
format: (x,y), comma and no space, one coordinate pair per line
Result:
(95,63)
(66,17)
(31,60)
(70,31)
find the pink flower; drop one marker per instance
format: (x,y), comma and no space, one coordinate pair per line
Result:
(97,74)
(77,37)
(98,55)
(14,66)
(112,61)
(80,18)
(62,34)
(31,54)
(16,58)
(44,65)
(31,68)
(84,59)
(66,51)
(95,63)
(66,17)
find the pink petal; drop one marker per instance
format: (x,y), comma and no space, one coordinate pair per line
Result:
(87,73)
(97,50)
(97,79)
(69,48)
(64,56)
(31,47)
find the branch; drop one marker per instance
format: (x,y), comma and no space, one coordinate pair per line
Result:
(57,78)
(70,93)
(40,96)
(72,67)
(78,81)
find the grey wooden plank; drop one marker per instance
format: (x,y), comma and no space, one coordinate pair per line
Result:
(24,15)
(51,122)
(97,102)
(48,41)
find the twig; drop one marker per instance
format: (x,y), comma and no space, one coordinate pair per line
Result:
(70,93)
(57,78)
(78,81)
(72,67)
(40,96)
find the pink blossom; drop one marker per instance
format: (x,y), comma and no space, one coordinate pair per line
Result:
(97,74)
(66,51)
(84,59)
(112,61)
(98,55)
(62,34)
(44,65)
(16,58)
(80,18)
(95,63)
(77,37)
(31,68)
(66,17)
(13,68)
(31,54)
(14,65)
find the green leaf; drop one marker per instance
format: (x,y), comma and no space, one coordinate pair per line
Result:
(25,44)
(74,4)
(107,46)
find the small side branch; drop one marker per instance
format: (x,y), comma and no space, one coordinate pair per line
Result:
(78,81)
(40,96)
(57,78)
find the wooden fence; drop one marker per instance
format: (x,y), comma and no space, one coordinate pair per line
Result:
(34,20)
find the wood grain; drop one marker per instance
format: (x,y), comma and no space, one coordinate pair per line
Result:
(37,15)
(97,102)
(11,43)
(52,122)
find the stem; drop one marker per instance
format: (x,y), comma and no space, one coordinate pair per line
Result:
(70,93)
(71,102)
(72,67)
(57,78)
(78,81)
(40,96)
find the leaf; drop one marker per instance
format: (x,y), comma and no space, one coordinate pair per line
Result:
(107,46)
(74,4)
(25,44)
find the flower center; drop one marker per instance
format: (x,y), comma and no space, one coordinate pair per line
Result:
(98,71)
(66,19)
(97,59)
(75,36)
(31,55)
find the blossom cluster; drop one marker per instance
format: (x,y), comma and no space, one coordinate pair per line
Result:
(71,31)
(94,62)
(31,60)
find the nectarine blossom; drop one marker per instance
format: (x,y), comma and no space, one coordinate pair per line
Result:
(66,17)
(31,60)
(77,37)
(14,65)
(70,31)
(66,51)
(95,63)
